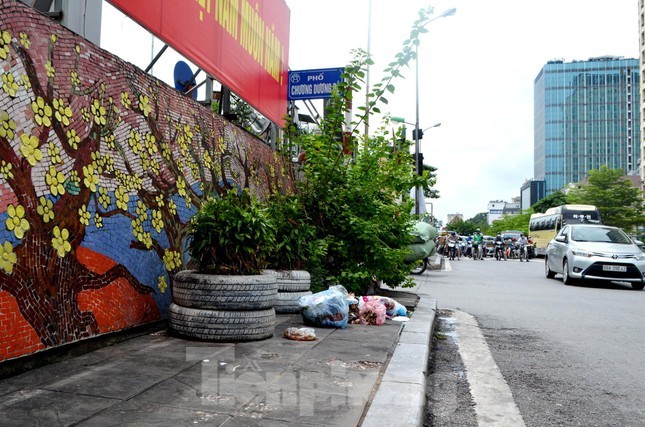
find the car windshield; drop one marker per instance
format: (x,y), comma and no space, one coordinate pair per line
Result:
(599,234)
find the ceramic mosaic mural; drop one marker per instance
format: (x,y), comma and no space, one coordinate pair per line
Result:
(101,167)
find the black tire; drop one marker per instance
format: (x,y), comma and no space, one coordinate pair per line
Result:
(292,280)
(547,271)
(638,286)
(223,292)
(222,325)
(419,266)
(566,279)
(287,302)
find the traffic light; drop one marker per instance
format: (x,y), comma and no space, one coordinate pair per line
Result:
(418,162)
(414,134)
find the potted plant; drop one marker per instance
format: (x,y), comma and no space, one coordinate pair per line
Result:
(229,296)
(296,250)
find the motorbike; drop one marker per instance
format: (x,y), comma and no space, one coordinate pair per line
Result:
(452,249)
(477,251)
(499,250)
(524,253)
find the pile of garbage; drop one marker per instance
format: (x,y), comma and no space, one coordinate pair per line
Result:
(335,308)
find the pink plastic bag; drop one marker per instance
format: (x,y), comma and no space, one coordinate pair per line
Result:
(372,313)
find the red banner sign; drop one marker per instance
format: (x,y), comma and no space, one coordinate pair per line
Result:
(243,44)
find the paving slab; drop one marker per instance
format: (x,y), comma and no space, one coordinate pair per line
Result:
(342,378)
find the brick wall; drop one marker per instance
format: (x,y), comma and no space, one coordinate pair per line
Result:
(101,167)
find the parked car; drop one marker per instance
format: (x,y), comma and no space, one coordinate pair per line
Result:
(595,252)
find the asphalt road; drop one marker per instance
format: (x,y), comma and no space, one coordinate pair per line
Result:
(571,355)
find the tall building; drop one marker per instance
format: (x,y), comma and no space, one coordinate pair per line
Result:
(641,24)
(586,114)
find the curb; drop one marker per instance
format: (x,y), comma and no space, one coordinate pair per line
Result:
(401,396)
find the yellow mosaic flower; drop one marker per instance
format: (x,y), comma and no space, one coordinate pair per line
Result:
(165,151)
(151,143)
(76,81)
(85,113)
(181,186)
(51,71)
(55,180)
(141,211)
(8,258)
(5,40)
(60,241)
(170,259)
(54,153)
(74,178)
(5,170)
(161,284)
(172,207)
(53,38)
(134,141)
(122,198)
(24,40)
(99,113)
(42,112)
(144,105)
(159,199)
(62,112)
(77,49)
(110,141)
(91,178)
(73,139)
(125,100)
(7,126)
(24,80)
(98,220)
(16,221)
(84,216)
(9,85)
(29,149)
(157,220)
(154,166)
(104,197)
(45,209)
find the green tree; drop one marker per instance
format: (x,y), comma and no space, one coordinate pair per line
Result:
(512,222)
(552,200)
(428,188)
(620,204)
(357,194)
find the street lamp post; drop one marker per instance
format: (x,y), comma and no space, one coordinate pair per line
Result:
(448,12)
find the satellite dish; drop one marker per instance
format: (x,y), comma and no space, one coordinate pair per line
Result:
(184,78)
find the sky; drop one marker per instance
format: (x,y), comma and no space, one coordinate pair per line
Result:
(476,73)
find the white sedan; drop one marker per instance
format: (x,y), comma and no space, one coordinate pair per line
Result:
(595,252)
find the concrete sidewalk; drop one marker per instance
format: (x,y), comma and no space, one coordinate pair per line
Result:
(361,375)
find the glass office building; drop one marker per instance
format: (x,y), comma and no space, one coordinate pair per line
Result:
(586,114)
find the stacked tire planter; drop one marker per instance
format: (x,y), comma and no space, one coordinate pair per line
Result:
(223,308)
(292,284)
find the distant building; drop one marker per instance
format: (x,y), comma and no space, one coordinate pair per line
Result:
(586,114)
(454,217)
(495,210)
(532,192)
(641,19)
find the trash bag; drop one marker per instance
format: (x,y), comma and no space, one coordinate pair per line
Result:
(392,307)
(327,308)
(300,334)
(423,232)
(420,251)
(372,313)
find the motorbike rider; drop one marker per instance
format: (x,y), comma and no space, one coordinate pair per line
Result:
(498,238)
(478,240)
(522,241)
(454,237)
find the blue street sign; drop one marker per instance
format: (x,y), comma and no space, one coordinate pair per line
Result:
(313,84)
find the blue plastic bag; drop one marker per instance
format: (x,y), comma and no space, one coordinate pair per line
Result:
(327,308)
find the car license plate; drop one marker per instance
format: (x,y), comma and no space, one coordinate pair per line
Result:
(620,268)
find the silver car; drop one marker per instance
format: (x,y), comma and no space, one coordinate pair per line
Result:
(595,252)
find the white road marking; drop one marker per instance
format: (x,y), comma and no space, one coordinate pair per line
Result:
(494,404)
